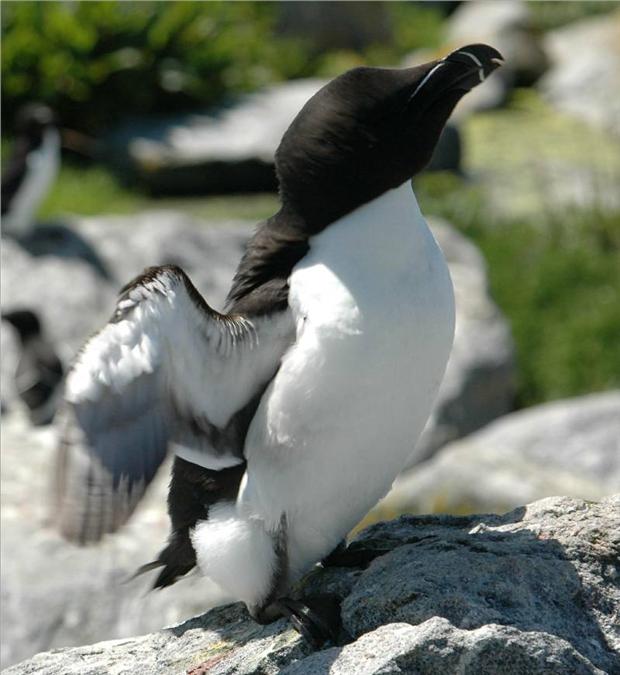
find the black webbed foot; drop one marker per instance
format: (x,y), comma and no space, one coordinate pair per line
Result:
(351,556)
(317,620)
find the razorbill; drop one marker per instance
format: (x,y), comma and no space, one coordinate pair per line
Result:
(291,413)
(31,169)
(39,373)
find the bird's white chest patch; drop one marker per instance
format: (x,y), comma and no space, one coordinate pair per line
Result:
(43,165)
(374,314)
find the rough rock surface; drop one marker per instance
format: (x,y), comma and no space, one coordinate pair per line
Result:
(584,79)
(536,591)
(567,447)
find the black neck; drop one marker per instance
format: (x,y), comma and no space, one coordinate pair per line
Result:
(260,285)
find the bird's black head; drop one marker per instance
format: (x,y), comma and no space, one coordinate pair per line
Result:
(32,120)
(370,130)
(25,322)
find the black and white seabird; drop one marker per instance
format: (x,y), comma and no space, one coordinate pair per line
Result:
(39,373)
(291,413)
(31,169)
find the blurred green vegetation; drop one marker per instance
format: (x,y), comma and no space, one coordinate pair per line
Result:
(93,190)
(414,26)
(559,287)
(96,62)
(87,191)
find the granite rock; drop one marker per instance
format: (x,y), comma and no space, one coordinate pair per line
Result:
(535,591)
(226,149)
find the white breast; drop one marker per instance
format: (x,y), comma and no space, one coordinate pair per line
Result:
(374,311)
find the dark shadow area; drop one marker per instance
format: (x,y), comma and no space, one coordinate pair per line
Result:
(60,240)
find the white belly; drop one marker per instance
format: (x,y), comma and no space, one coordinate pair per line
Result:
(374,311)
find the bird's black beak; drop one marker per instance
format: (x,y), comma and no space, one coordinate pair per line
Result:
(476,61)
(462,70)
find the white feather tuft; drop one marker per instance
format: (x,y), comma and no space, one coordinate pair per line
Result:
(235,553)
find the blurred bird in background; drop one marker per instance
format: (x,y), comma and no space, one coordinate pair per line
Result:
(39,374)
(31,169)
(34,164)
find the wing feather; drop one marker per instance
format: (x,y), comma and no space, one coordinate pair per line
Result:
(166,369)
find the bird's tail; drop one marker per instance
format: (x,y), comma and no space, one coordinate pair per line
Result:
(177,559)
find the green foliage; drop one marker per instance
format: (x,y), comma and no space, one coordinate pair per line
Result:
(97,61)
(416,26)
(137,57)
(556,278)
(560,291)
(88,191)
(92,190)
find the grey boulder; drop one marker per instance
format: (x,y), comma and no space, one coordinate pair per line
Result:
(584,79)
(535,591)
(68,295)
(226,149)
(208,252)
(437,647)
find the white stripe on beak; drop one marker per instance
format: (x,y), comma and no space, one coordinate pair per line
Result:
(426,78)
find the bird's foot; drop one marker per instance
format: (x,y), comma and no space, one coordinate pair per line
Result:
(351,556)
(317,620)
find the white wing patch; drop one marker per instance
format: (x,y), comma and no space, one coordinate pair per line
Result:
(166,371)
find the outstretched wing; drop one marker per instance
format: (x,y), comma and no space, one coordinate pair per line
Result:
(166,369)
